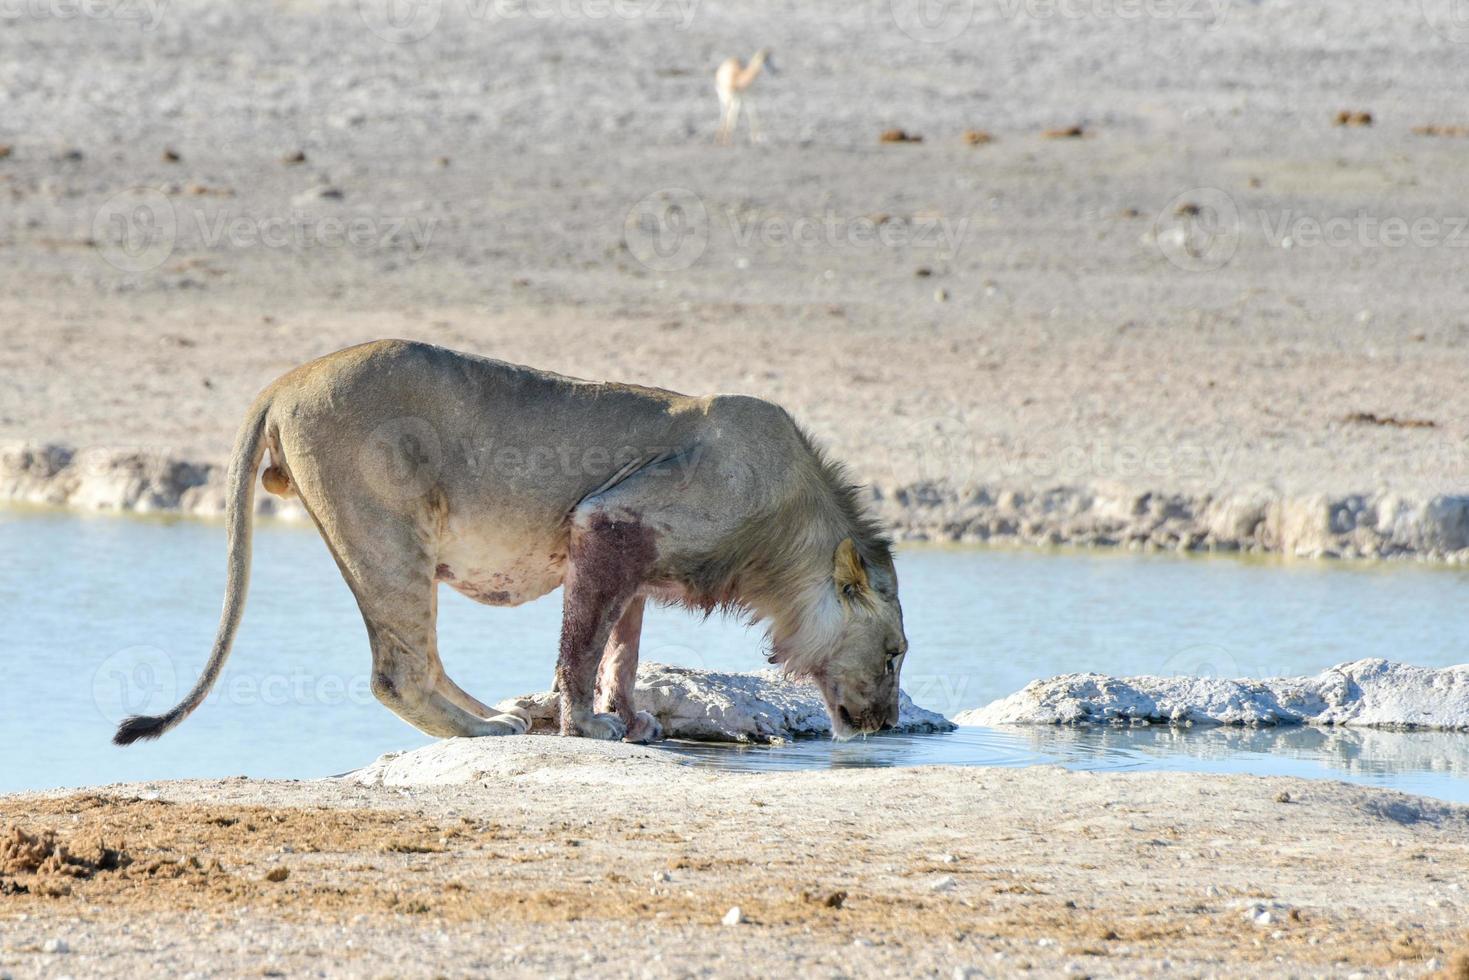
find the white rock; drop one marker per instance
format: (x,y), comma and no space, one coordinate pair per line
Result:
(55,946)
(311,195)
(733,917)
(1372,693)
(708,705)
(945,884)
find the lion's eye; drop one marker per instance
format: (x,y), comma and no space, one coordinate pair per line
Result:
(893,654)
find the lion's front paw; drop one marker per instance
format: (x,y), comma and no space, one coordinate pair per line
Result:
(607,727)
(515,718)
(644,729)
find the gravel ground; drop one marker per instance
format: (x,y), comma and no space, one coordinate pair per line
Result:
(939,872)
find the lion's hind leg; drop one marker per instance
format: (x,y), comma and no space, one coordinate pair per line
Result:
(476,707)
(393,580)
(618,677)
(408,678)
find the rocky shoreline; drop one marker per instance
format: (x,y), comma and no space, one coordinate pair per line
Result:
(1371,693)
(1374,525)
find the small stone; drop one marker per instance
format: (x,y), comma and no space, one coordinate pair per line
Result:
(945,884)
(948,859)
(293,158)
(940,295)
(662,876)
(1282,797)
(898,136)
(277,874)
(835,900)
(323,193)
(734,916)
(55,946)
(170,155)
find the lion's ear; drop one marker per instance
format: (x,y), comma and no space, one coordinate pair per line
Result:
(850,576)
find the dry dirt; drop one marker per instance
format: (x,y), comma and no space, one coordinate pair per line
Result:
(924,872)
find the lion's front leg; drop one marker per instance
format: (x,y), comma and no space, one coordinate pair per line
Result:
(619,673)
(607,563)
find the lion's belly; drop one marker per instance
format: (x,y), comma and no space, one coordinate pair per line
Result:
(501,572)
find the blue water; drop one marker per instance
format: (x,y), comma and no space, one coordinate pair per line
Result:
(105,616)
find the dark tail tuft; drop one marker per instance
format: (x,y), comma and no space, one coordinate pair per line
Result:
(140,727)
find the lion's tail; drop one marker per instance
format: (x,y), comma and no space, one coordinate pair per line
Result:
(239,516)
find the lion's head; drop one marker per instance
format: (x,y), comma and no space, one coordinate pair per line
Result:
(851,643)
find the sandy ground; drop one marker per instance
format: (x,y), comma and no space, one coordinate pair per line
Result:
(539,183)
(917,872)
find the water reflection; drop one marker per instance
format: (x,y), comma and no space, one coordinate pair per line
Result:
(1431,763)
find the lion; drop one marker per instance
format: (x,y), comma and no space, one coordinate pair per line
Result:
(422,466)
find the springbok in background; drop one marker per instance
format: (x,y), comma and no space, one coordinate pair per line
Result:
(730,81)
